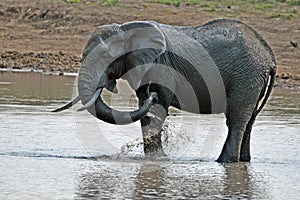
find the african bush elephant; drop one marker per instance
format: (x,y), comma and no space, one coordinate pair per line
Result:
(223,66)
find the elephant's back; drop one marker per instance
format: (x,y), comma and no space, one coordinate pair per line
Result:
(235,46)
(234,30)
(222,53)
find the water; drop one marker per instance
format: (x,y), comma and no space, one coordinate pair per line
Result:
(71,155)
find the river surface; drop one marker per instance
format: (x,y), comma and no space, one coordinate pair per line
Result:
(71,155)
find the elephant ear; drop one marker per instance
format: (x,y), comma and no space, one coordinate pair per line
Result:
(145,42)
(106,43)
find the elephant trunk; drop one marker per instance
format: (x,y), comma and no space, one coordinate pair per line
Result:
(90,95)
(110,115)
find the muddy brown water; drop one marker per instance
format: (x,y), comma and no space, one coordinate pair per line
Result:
(71,155)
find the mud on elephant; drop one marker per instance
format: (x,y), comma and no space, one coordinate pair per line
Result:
(223,66)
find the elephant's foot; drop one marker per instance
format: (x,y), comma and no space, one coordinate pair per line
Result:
(156,155)
(153,147)
(229,155)
(245,158)
(230,152)
(227,158)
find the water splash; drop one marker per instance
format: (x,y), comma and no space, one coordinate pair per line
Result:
(175,140)
(131,149)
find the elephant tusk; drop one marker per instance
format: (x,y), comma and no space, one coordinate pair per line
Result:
(68,105)
(92,101)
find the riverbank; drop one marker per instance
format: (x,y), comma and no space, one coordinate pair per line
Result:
(49,35)
(63,64)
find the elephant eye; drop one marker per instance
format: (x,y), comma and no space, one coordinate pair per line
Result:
(91,44)
(107,34)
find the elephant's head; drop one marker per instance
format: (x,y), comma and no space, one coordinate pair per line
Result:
(111,51)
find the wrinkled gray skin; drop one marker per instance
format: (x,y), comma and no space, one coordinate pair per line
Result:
(223,66)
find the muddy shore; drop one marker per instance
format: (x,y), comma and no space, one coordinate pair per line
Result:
(49,35)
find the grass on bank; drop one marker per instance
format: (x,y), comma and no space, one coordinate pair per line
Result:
(285,9)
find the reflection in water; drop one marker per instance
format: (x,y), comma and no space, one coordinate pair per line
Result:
(238,180)
(109,180)
(148,180)
(240,183)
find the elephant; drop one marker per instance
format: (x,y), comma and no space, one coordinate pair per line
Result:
(222,66)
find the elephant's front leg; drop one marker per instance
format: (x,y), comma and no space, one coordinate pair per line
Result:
(152,123)
(152,127)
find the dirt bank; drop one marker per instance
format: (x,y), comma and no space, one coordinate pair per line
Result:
(49,35)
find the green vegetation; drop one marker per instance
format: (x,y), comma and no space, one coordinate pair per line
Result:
(283,15)
(111,2)
(193,2)
(175,3)
(264,6)
(284,9)
(295,2)
(212,8)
